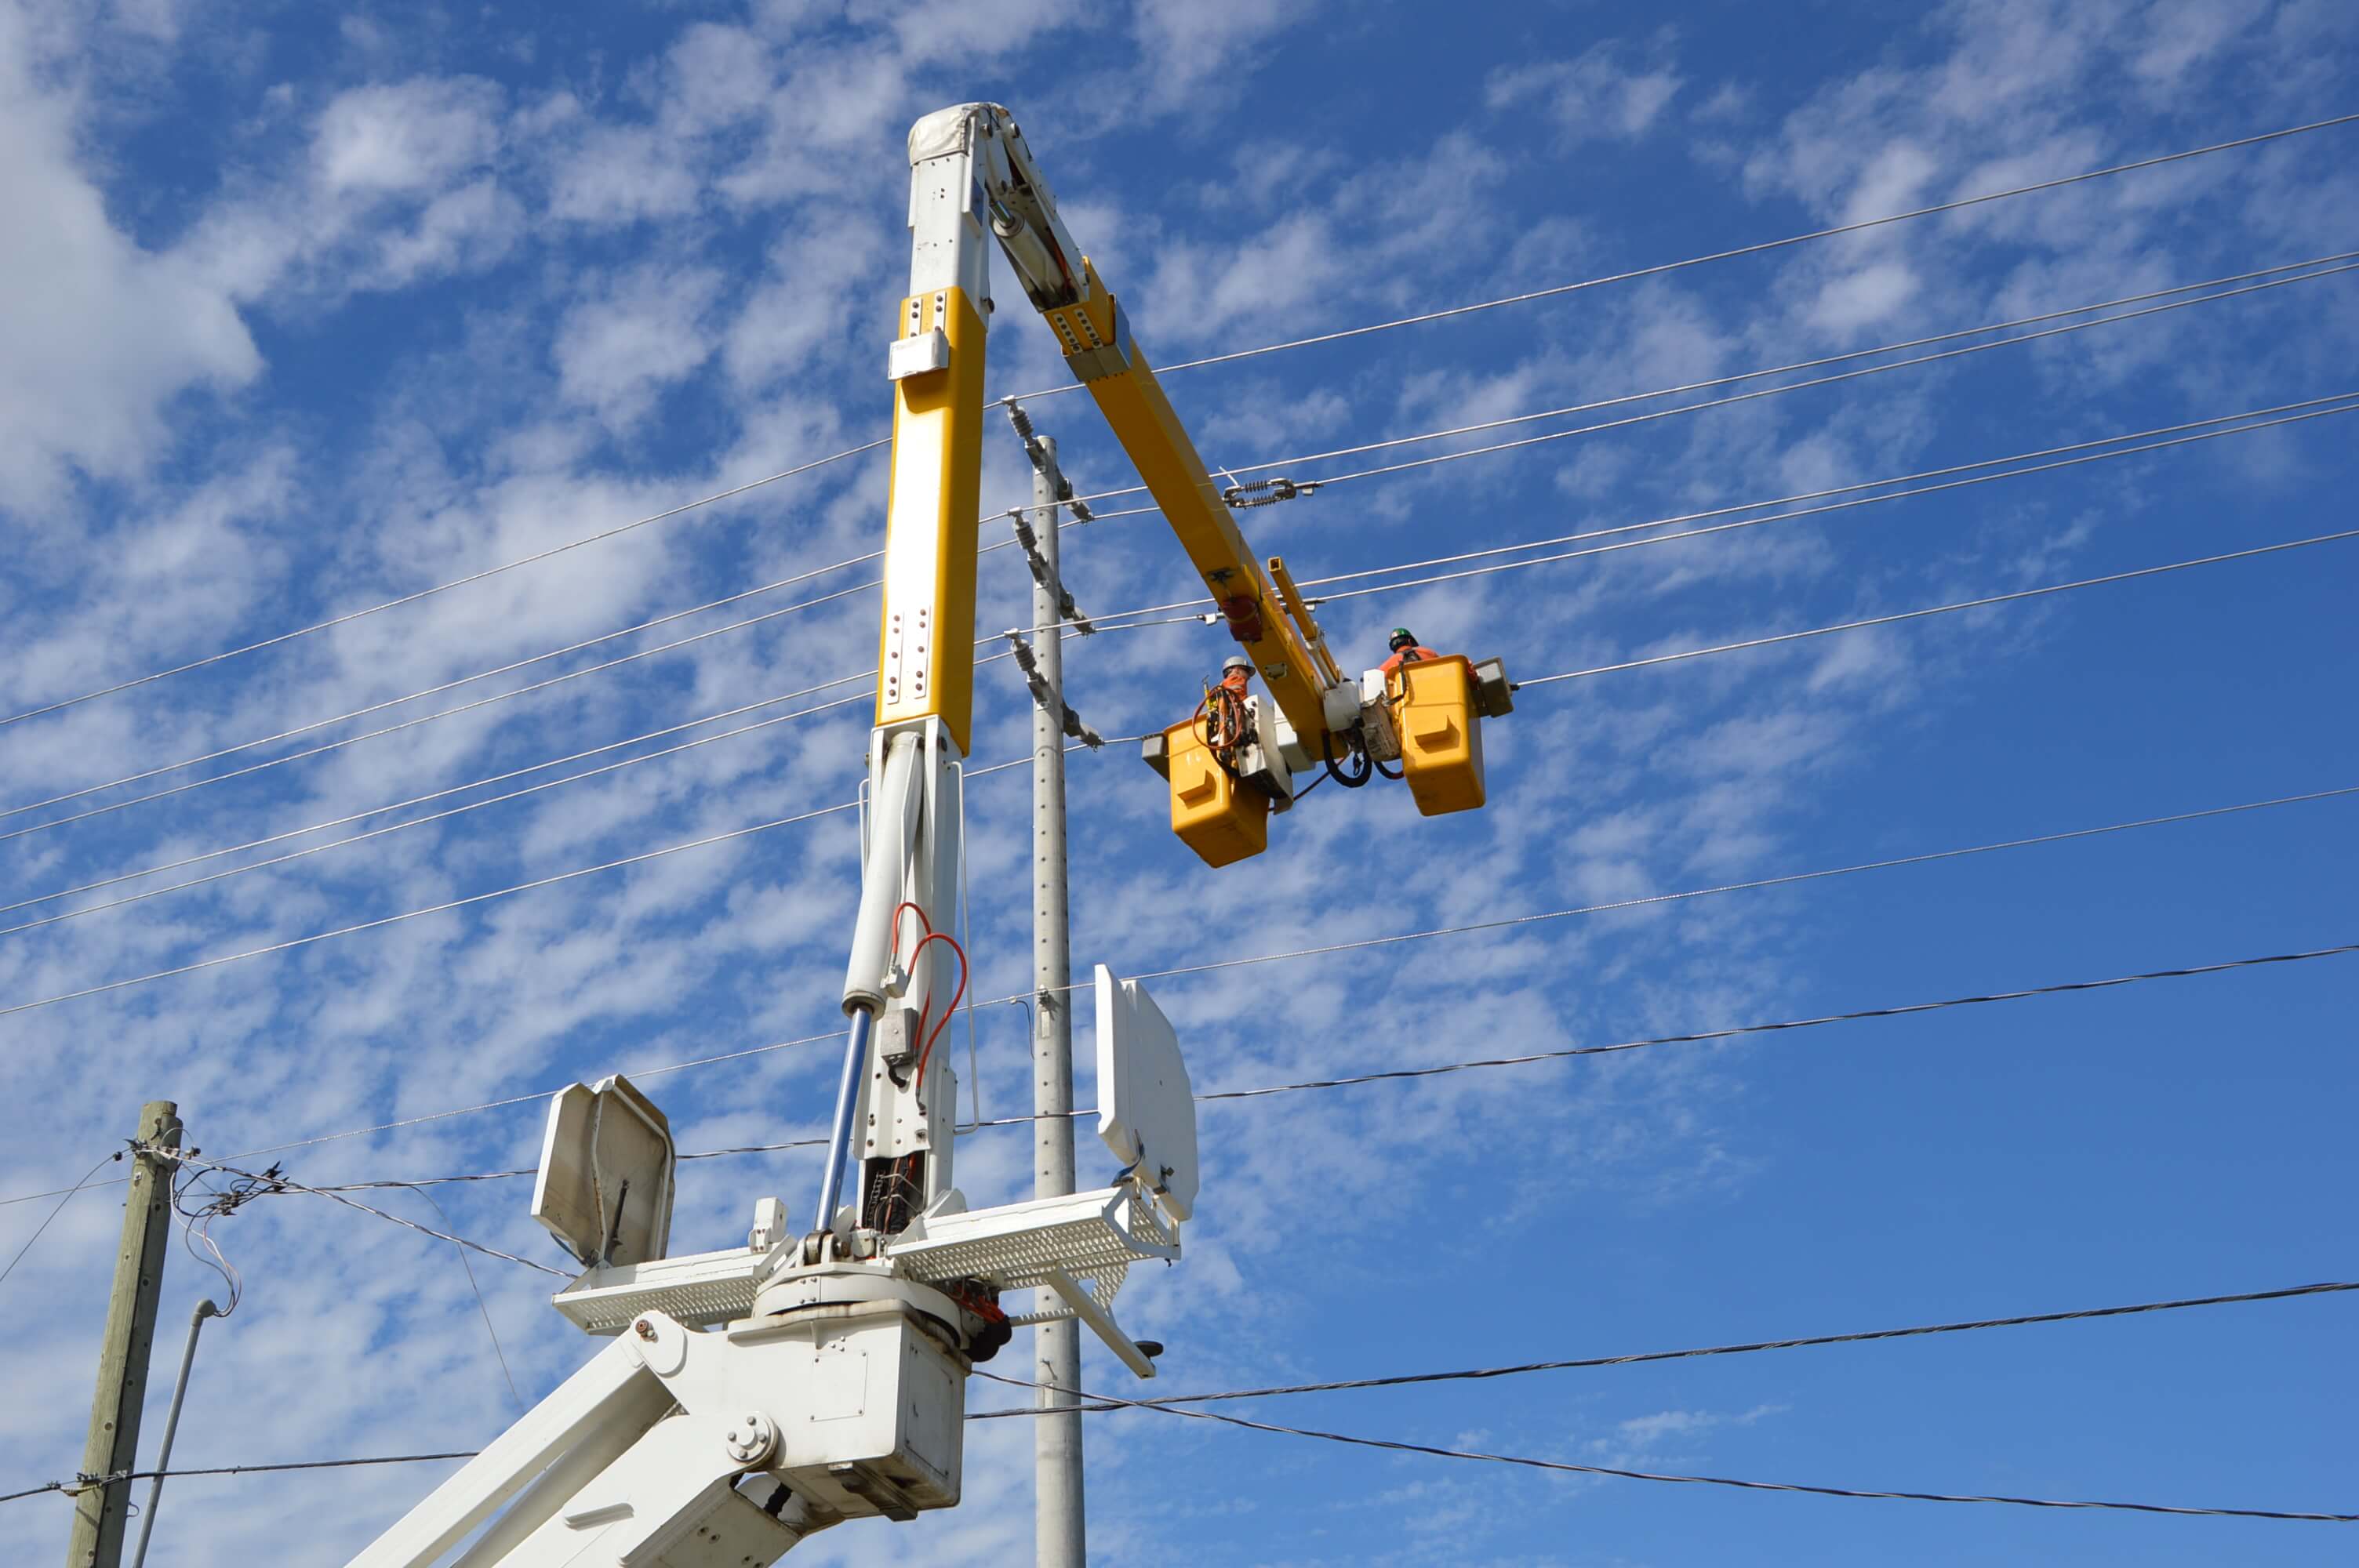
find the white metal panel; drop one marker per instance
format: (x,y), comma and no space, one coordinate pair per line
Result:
(1147,1108)
(605,1189)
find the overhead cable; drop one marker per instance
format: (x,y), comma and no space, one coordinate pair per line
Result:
(2253,419)
(477,783)
(1736,397)
(1089,1401)
(1644,900)
(82,1482)
(1970,481)
(1862,1337)
(1897,616)
(428,1117)
(1757,248)
(600,668)
(373,833)
(2333,402)
(1787,879)
(1098,1405)
(429,796)
(1390,1074)
(396,603)
(293,942)
(1629,397)
(276,1183)
(1092,740)
(1654,270)
(1563,1054)
(63,1198)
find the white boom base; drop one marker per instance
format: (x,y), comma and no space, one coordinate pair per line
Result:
(676,1449)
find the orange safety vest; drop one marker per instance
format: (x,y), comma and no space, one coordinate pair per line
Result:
(1406,655)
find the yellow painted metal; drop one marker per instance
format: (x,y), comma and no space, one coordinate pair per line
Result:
(1440,733)
(925,664)
(1142,420)
(1291,597)
(1212,814)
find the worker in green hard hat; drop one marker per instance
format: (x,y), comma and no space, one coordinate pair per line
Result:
(1405,647)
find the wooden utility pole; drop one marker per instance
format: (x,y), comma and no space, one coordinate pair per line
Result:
(102,1510)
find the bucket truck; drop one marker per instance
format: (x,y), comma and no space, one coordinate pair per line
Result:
(750,1396)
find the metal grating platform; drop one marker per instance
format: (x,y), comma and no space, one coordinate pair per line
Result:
(700,1290)
(1093,1236)
(1086,1235)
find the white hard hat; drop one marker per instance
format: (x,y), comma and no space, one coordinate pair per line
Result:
(1235,662)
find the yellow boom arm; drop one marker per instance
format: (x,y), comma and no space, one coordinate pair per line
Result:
(1276,630)
(973,182)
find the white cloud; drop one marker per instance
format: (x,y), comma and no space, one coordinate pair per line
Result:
(618,174)
(1184,44)
(101,334)
(634,335)
(1862,299)
(404,137)
(1608,93)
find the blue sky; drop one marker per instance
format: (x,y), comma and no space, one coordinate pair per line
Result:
(307,313)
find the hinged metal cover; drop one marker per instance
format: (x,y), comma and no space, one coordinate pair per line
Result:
(1146,1110)
(605,1186)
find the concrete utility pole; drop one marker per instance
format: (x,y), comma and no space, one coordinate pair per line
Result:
(1060,1531)
(101,1511)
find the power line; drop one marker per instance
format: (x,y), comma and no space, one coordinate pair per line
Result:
(1862,1337)
(1390,1074)
(432,817)
(440,816)
(407,724)
(63,1198)
(1786,879)
(232,1470)
(2341,402)
(541,685)
(429,796)
(1865,622)
(408,1121)
(1757,248)
(1569,1052)
(1799,496)
(1966,483)
(272,1182)
(1779,391)
(472,783)
(1983,603)
(400,1123)
(1654,270)
(1513,419)
(1414,1378)
(294,942)
(1109,1401)
(394,603)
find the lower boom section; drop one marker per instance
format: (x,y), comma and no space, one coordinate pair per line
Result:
(680,1449)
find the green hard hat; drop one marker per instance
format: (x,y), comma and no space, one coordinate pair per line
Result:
(1402,637)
